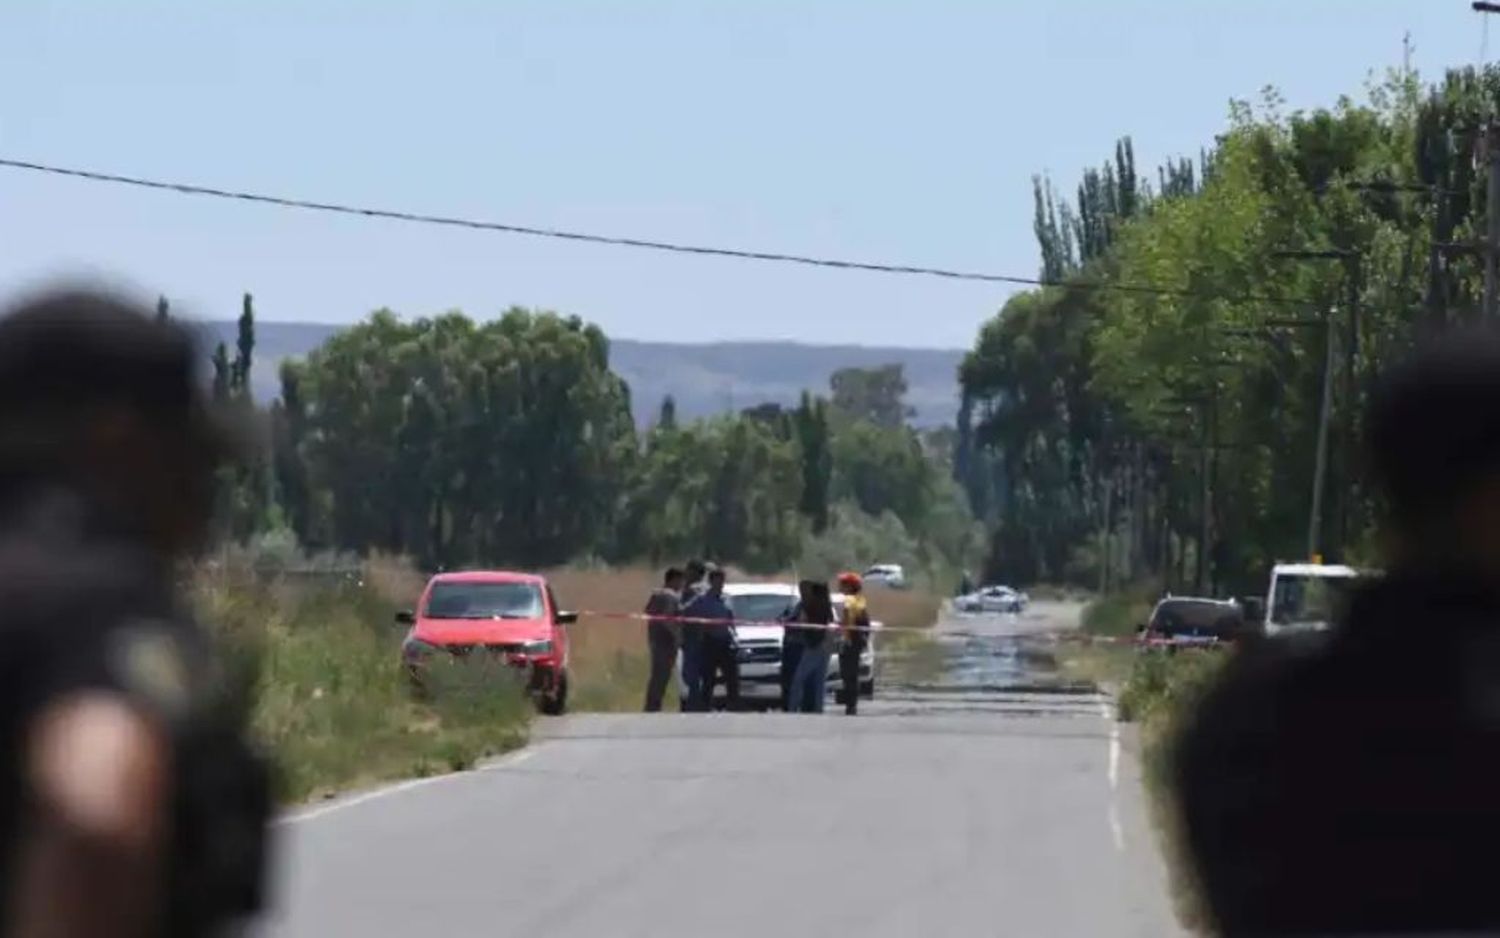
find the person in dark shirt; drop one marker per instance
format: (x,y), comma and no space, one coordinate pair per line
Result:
(130,803)
(663,635)
(810,681)
(718,654)
(792,640)
(691,635)
(1345,782)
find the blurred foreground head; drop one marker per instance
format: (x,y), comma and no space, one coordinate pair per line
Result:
(1434,439)
(99,396)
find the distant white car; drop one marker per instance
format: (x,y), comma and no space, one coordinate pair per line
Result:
(760,645)
(886,574)
(993,599)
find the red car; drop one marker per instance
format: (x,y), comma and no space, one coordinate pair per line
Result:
(512,616)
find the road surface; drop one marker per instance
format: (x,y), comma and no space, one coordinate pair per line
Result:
(974,799)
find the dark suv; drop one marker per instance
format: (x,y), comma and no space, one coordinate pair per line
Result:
(1189,617)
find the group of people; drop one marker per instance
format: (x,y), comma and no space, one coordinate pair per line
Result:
(690,613)
(812,632)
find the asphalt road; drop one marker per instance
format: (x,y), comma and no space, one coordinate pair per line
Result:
(974,797)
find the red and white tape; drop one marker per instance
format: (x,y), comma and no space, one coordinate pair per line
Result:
(1049,637)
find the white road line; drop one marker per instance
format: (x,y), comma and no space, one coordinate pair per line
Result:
(1116,829)
(504,762)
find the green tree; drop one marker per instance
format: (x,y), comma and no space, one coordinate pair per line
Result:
(244,348)
(882,470)
(498,443)
(873,394)
(810,421)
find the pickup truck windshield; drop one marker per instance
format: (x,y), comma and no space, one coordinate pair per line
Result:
(484,601)
(760,607)
(1309,599)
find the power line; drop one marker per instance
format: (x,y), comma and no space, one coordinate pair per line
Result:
(183,188)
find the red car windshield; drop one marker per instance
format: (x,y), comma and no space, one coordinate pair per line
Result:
(481,600)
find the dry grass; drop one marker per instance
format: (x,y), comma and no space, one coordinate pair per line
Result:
(904,609)
(610,659)
(1105,666)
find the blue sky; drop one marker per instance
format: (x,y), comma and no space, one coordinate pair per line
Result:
(902,132)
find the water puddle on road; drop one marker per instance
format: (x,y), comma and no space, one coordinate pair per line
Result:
(985,670)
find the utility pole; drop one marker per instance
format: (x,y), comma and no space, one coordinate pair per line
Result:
(1207,406)
(1348,438)
(1320,461)
(1349,426)
(1490,153)
(1205,506)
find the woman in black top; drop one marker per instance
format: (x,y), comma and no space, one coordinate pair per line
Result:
(791,640)
(810,680)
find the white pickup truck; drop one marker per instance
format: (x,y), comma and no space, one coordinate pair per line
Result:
(760,645)
(1308,596)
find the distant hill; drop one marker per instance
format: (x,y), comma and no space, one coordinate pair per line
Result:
(704,379)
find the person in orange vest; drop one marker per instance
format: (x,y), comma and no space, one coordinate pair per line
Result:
(856,634)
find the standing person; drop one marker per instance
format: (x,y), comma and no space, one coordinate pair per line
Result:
(718,654)
(663,635)
(792,641)
(130,801)
(1343,782)
(691,633)
(856,635)
(810,681)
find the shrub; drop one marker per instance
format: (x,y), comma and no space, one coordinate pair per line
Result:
(1162,686)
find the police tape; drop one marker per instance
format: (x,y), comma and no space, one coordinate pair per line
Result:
(780,623)
(1054,637)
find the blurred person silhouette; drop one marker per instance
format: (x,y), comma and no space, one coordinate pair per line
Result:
(718,654)
(663,635)
(810,680)
(691,635)
(855,636)
(792,640)
(132,805)
(1345,782)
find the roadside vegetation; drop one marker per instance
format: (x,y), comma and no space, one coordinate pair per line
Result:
(1162,692)
(1117,615)
(316,655)
(1108,665)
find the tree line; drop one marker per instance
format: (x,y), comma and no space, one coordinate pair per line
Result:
(1170,430)
(511,442)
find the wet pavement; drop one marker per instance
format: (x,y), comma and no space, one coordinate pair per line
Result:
(988,663)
